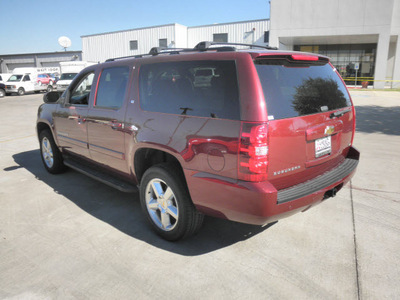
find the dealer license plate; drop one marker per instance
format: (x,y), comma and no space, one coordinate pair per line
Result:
(323,146)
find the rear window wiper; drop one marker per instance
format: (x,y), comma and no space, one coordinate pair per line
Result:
(340,113)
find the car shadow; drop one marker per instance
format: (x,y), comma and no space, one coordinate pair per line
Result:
(123,211)
(378,119)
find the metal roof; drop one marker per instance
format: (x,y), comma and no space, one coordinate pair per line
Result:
(173,24)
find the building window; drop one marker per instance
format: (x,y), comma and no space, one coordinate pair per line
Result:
(220,37)
(163,43)
(133,45)
(345,58)
(266,37)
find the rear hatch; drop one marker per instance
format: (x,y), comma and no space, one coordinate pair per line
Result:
(311,117)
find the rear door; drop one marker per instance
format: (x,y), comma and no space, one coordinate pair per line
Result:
(310,115)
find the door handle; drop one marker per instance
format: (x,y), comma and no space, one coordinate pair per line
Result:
(116,125)
(79,119)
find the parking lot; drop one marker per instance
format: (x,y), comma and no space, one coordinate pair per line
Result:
(68,236)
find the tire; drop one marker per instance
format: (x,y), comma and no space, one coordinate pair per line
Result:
(174,217)
(51,157)
(39,82)
(49,88)
(21,92)
(51,82)
(2,93)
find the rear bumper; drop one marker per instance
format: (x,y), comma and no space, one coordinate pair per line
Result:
(259,202)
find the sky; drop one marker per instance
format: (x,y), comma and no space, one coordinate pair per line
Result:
(30,26)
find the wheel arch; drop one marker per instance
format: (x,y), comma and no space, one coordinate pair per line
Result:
(40,126)
(147,157)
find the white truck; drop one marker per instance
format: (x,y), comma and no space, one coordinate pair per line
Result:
(24,80)
(69,69)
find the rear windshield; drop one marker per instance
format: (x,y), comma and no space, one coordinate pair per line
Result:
(193,88)
(293,89)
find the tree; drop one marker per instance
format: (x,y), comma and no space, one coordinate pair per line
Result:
(316,93)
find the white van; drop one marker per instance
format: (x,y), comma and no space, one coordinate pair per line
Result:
(69,69)
(24,80)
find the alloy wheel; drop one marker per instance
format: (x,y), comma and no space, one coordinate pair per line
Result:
(161,204)
(47,152)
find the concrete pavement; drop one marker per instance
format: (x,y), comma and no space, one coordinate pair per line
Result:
(70,237)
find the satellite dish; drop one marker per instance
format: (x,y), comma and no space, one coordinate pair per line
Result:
(64,42)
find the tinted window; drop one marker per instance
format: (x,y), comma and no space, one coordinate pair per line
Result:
(182,88)
(81,92)
(112,87)
(298,89)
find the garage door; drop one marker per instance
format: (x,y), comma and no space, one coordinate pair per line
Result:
(11,67)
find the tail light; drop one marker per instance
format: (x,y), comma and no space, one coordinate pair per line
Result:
(253,152)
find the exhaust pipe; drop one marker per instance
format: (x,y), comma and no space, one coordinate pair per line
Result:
(330,193)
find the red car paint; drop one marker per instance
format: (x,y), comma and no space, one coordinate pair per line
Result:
(208,149)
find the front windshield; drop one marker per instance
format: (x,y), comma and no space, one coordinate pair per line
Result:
(68,76)
(15,78)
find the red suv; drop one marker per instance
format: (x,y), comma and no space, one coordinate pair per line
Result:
(269,133)
(44,79)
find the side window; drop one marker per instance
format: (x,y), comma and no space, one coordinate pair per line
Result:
(195,88)
(112,87)
(27,78)
(81,92)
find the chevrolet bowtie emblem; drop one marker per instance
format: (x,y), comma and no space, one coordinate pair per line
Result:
(329,130)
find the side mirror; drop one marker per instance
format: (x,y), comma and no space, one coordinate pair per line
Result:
(51,97)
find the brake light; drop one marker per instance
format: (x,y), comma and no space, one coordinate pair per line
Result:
(253,152)
(304,57)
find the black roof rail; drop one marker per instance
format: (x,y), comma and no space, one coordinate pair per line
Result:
(204,46)
(130,56)
(166,50)
(155,51)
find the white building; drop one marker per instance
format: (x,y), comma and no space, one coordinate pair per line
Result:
(248,32)
(9,62)
(99,47)
(362,32)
